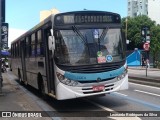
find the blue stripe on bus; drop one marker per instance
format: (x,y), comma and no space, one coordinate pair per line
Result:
(94,76)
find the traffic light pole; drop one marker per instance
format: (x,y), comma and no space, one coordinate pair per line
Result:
(1,79)
(145,34)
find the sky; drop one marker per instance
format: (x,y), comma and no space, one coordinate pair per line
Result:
(22,15)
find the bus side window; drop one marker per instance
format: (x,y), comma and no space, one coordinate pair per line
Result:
(28,47)
(40,47)
(33,38)
(13,50)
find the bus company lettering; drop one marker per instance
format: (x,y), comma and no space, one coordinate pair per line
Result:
(113,74)
(75,76)
(81,77)
(27,114)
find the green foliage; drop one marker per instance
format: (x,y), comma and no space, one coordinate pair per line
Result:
(155,43)
(133,30)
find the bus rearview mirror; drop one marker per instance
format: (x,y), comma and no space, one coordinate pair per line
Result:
(51,43)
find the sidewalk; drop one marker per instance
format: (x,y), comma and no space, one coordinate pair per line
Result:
(15,98)
(150,76)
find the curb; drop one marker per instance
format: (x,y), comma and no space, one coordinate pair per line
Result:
(149,69)
(145,81)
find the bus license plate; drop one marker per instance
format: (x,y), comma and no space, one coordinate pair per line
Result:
(98,88)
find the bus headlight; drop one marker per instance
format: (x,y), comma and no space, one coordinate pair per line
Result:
(120,77)
(66,81)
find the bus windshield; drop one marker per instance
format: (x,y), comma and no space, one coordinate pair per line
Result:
(88,46)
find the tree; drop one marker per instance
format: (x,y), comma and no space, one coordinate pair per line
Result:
(134,29)
(155,44)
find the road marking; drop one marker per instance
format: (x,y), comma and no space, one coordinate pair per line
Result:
(101,106)
(147,93)
(145,85)
(121,94)
(112,111)
(141,102)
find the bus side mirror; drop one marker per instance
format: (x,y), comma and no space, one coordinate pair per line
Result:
(51,43)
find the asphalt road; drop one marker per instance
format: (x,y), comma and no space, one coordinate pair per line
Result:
(137,99)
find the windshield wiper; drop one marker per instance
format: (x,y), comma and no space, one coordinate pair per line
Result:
(84,39)
(103,33)
(102,37)
(79,34)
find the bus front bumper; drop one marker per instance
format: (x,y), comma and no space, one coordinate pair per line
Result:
(69,92)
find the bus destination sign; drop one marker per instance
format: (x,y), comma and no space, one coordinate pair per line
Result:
(86,18)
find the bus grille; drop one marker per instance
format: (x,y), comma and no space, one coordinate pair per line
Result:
(93,68)
(95,81)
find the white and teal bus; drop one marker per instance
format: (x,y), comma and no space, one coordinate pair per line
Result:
(73,54)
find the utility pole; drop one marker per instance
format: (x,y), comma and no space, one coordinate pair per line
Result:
(126,27)
(1,79)
(145,34)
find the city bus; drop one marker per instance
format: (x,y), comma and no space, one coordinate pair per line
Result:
(72,55)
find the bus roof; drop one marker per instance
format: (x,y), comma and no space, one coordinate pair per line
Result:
(87,11)
(51,17)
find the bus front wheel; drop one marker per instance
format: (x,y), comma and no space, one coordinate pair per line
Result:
(41,87)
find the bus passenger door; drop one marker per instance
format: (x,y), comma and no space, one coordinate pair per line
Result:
(49,62)
(23,61)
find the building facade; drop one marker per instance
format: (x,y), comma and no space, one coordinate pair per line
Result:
(132,8)
(45,13)
(154,10)
(144,7)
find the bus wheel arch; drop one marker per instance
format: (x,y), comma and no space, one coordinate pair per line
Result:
(41,87)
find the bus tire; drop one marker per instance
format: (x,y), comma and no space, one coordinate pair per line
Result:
(41,87)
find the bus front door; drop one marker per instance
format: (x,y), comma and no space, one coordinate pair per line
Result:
(49,63)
